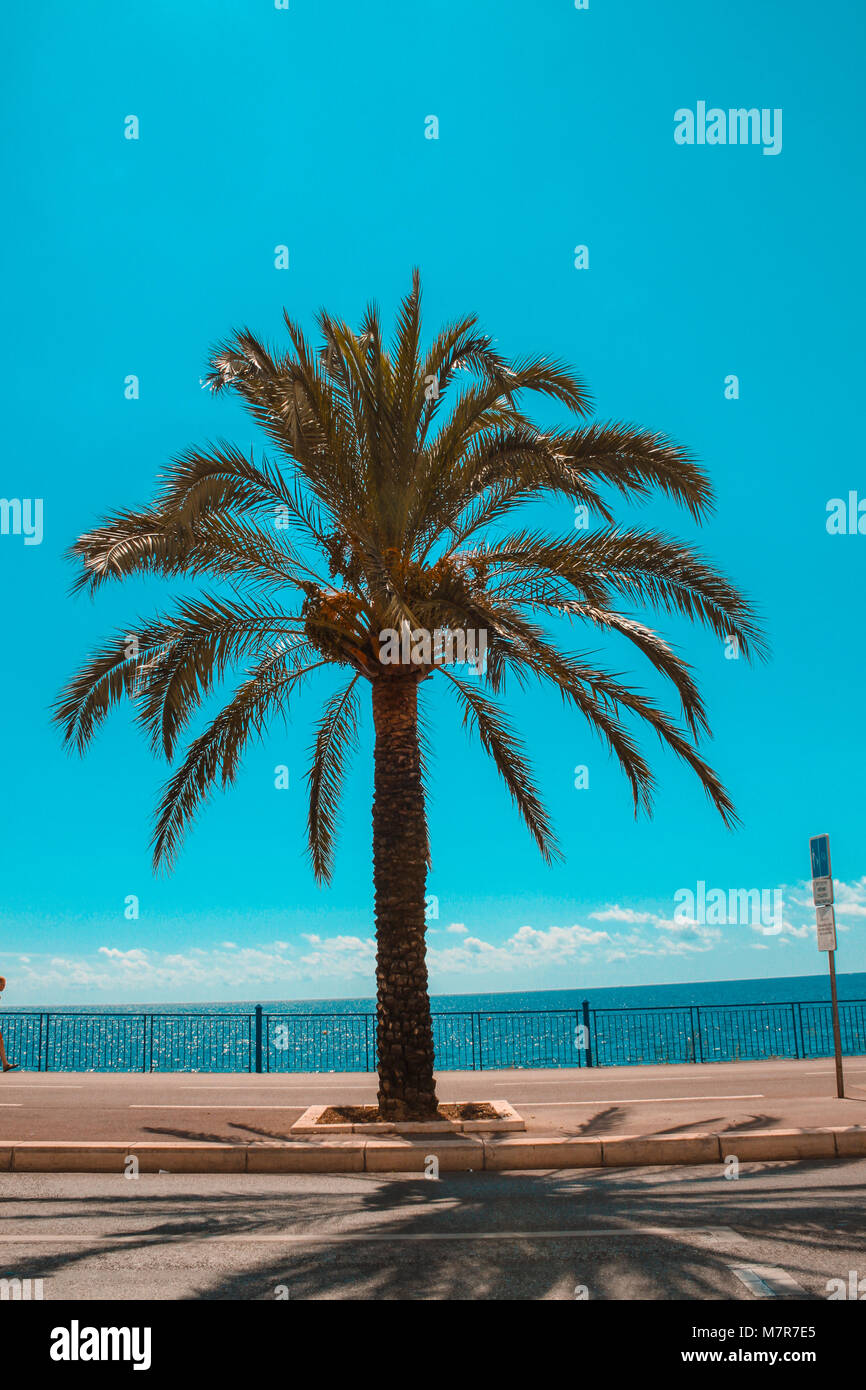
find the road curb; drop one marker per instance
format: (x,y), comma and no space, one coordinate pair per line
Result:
(457,1153)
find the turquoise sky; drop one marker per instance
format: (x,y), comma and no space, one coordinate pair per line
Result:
(305,127)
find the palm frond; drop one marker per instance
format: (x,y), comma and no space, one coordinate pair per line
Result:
(220,544)
(107,677)
(214,757)
(653,646)
(506,750)
(198,644)
(645,566)
(600,697)
(336,738)
(636,461)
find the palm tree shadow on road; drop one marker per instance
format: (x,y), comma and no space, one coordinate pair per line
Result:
(510,1260)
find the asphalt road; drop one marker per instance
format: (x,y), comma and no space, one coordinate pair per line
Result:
(778,1231)
(615,1100)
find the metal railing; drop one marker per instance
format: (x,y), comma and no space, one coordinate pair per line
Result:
(473,1040)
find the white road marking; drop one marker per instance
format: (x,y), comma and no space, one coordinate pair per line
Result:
(767,1281)
(156,1106)
(11,1104)
(307,1238)
(683,1070)
(539,1104)
(630,1100)
(279,1086)
(607,1074)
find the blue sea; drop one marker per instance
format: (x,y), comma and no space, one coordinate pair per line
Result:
(796,989)
(721,1020)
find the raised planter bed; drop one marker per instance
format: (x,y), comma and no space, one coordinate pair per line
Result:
(458,1117)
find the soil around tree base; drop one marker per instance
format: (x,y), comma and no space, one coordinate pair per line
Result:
(370,1114)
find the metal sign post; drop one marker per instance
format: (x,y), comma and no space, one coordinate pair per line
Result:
(825,913)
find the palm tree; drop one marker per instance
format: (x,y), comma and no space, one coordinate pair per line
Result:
(386,504)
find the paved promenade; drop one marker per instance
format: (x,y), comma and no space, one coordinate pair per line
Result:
(726,1098)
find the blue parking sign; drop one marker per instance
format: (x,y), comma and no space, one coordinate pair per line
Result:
(819,848)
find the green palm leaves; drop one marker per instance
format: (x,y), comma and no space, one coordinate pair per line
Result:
(387,494)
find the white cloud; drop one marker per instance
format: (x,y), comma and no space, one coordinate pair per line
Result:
(134,959)
(307,965)
(850,898)
(621,914)
(339,956)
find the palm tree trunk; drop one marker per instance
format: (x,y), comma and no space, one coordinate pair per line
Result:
(407,1090)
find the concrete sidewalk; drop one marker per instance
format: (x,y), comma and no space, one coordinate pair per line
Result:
(183,1122)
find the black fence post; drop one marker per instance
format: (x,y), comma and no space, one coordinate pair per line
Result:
(584,1008)
(697,1046)
(43,1038)
(477,1060)
(258,1037)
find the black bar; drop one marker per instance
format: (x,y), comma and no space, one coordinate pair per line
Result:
(837,1040)
(588,1051)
